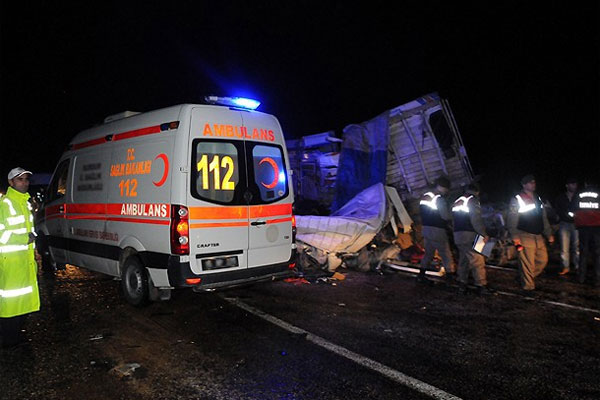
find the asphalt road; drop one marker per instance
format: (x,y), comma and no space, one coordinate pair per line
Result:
(369,336)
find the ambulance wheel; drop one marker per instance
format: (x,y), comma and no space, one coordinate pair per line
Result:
(134,282)
(48,264)
(45,258)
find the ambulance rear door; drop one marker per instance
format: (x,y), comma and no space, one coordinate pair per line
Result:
(217,198)
(270,230)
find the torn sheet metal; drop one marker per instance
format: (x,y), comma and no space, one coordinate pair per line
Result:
(353,226)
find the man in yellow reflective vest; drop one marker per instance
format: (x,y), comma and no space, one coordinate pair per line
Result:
(19,294)
(528,224)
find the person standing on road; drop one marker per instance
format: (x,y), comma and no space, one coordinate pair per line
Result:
(528,224)
(467,224)
(19,294)
(587,219)
(435,218)
(567,232)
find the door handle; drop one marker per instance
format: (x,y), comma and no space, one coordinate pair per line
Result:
(255,223)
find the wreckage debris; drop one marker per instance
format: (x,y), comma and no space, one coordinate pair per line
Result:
(297,281)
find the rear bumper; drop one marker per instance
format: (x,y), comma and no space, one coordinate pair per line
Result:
(178,272)
(243,277)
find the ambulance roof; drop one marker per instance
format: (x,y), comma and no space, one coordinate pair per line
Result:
(129,121)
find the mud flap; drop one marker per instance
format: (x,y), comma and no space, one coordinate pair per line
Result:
(157,294)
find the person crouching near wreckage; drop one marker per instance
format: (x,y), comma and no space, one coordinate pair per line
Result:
(435,218)
(528,224)
(468,223)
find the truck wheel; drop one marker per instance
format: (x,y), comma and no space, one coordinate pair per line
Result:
(134,282)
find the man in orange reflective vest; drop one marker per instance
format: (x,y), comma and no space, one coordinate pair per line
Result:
(19,294)
(528,224)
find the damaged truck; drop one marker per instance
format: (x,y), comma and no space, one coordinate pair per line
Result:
(369,187)
(314,161)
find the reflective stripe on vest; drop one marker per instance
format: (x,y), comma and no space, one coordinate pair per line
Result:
(530,216)
(6,234)
(19,219)
(13,248)
(16,292)
(13,221)
(524,207)
(10,206)
(462,204)
(430,203)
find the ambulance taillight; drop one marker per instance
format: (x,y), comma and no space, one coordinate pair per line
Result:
(180,230)
(292,265)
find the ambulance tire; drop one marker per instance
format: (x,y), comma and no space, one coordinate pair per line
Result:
(48,264)
(134,282)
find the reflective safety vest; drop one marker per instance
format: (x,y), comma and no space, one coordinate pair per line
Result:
(19,292)
(587,208)
(461,214)
(531,217)
(430,214)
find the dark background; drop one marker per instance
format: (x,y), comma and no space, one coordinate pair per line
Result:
(522,79)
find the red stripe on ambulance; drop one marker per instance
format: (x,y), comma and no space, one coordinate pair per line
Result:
(150,130)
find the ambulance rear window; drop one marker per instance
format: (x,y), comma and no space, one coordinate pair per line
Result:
(269,172)
(216,172)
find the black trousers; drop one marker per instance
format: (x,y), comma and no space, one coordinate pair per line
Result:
(10,330)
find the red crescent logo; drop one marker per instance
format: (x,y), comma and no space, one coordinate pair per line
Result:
(275,170)
(165,159)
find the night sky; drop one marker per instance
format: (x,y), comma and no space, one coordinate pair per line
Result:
(522,79)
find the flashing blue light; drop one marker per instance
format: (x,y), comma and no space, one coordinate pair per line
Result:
(282,177)
(240,102)
(250,104)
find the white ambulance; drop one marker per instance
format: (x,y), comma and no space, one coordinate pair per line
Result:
(187,196)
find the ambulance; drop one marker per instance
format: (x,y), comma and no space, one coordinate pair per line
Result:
(190,196)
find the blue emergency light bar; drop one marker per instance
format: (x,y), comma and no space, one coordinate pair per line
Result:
(240,102)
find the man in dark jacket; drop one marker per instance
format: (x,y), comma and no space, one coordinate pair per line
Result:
(567,232)
(528,225)
(468,223)
(435,218)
